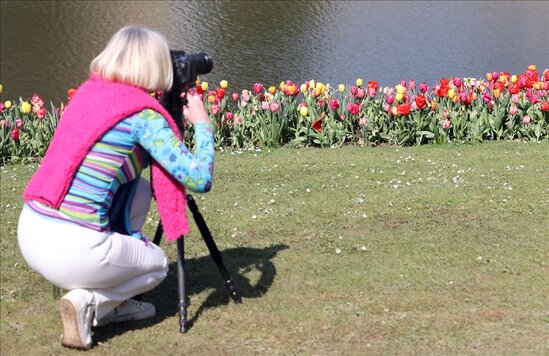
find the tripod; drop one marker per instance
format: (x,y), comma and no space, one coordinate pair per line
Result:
(214,252)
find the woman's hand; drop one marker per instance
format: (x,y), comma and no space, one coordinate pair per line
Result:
(195,111)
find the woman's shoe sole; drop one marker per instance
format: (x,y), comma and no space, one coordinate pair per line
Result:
(71,333)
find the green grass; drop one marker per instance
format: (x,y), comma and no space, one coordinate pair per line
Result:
(437,250)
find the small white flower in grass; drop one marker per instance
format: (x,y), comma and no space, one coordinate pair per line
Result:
(363,248)
(479,258)
(338,250)
(254,216)
(308,190)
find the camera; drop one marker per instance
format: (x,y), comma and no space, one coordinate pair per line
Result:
(186,69)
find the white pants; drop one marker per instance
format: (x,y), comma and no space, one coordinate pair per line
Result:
(114,267)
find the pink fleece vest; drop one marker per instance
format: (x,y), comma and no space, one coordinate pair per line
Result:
(96,107)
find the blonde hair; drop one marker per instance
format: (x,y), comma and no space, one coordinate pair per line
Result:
(137,56)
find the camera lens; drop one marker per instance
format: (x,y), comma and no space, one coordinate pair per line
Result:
(202,63)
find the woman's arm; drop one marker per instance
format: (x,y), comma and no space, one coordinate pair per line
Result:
(153,133)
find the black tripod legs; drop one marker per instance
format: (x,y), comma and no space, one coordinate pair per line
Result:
(183,299)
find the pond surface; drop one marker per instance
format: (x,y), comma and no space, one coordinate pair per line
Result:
(46,46)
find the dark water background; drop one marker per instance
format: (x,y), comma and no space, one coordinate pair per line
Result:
(46,46)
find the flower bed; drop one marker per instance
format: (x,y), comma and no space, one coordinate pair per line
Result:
(500,106)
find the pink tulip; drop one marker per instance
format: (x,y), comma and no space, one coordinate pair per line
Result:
(361,93)
(18,123)
(513,110)
(245,96)
(491,104)
(445,114)
(457,82)
(2,107)
(354,90)
(275,106)
(258,88)
(412,84)
(515,98)
(342,117)
(495,76)
(390,99)
(228,116)
(353,108)
(526,119)
(215,109)
(334,104)
(371,92)
(446,124)
(40,112)
(403,83)
(265,105)
(237,120)
(363,121)
(387,107)
(37,101)
(534,99)
(423,87)
(235,96)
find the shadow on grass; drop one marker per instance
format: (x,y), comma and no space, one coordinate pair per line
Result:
(202,274)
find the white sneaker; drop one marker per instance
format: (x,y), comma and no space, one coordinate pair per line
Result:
(131,309)
(77,310)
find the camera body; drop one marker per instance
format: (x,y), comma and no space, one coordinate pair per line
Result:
(186,69)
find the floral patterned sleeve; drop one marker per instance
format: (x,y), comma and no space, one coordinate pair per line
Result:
(154,134)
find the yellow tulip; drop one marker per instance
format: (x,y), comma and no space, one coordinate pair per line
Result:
(394,110)
(303,111)
(400,89)
(474,96)
(532,67)
(303,88)
(497,93)
(320,87)
(359,82)
(537,85)
(204,86)
(312,84)
(433,104)
(451,93)
(399,96)
(272,89)
(1,88)
(513,79)
(223,84)
(282,85)
(341,88)
(7,104)
(25,108)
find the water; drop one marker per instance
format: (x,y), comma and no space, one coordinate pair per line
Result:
(46,46)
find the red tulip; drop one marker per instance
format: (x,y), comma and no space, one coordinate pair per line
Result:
(71,93)
(421,102)
(403,109)
(353,108)
(373,84)
(14,134)
(317,125)
(220,93)
(545,105)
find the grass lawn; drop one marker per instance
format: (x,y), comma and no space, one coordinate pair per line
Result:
(436,250)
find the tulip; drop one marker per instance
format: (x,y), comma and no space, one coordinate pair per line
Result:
(272,89)
(215,109)
(2,107)
(457,82)
(40,113)
(451,93)
(303,88)
(390,99)
(18,123)
(399,96)
(513,110)
(420,102)
(526,119)
(423,87)
(334,104)
(445,113)
(353,108)
(275,106)
(446,124)
(491,104)
(515,98)
(258,88)
(359,82)
(341,88)
(361,93)
(1,88)
(534,99)
(495,75)
(235,96)
(433,105)
(25,107)
(354,90)
(544,105)
(303,110)
(223,84)
(403,109)
(245,95)
(394,110)
(386,107)
(400,89)
(237,120)
(412,84)
(7,104)
(204,86)
(363,121)
(228,116)
(489,77)
(220,93)
(14,134)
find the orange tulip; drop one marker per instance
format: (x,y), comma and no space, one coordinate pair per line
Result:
(272,89)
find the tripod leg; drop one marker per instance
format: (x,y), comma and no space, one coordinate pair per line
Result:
(182,287)
(212,247)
